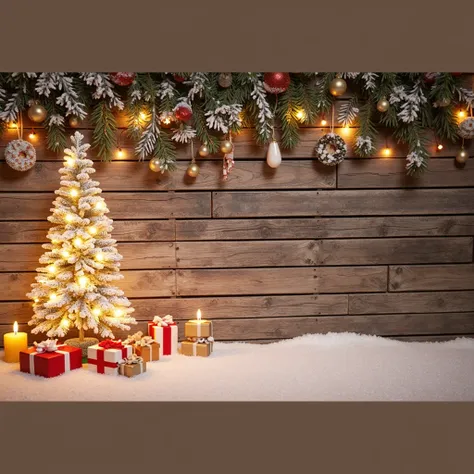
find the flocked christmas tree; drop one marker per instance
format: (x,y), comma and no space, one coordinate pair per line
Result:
(75,286)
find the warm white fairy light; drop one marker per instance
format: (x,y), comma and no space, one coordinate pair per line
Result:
(52,268)
(83,281)
(69,217)
(96,312)
(99,257)
(70,161)
(118,312)
(65,323)
(52,296)
(92,230)
(100,205)
(74,192)
(65,254)
(77,241)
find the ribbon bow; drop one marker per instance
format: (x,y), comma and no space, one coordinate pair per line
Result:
(110,344)
(165,321)
(50,345)
(203,340)
(134,338)
(133,359)
(145,341)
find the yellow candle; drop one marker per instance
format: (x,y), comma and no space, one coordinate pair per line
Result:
(14,342)
(198,327)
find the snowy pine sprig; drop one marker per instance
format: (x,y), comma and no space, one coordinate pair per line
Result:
(417,159)
(147,141)
(197,81)
(364,146)
(411,102)
(264,115)
(224,117)
(104,88)
(348,112)
(10,109)
(349,75)
(370,79)
(183,134)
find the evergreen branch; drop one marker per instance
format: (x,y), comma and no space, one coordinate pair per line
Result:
(165,151)
(348,112)
(104,136)
(201,130)
(366,133)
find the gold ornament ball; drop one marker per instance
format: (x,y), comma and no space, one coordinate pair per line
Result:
(337,86)
(444,102)
(383,105)
(193,170)
(226,146)
(462,156)
(37,113)
(74,122)
(203,151)
(155,165)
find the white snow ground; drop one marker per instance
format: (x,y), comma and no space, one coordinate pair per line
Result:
(314,367)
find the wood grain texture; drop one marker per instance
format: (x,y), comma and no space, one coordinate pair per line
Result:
(124,231)
(323,228)
(162,205)
(136,283)
(431,277)
(136,255)
(391,173)
(250,281)
(136,176)
(343,203)
(429,302)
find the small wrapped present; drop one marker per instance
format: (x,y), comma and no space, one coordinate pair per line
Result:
(198,328)
(144,346)
(104,357)
(132,366)
(164,331)
(197,346)
(48,359)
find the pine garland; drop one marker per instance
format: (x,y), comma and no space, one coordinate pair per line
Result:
(104,136)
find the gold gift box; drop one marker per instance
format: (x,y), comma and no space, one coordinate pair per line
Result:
(132,370)
(190,348)
(198,328)
(148,353)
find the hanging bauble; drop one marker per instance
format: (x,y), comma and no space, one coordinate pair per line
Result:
(122,78)
(274,155)
(331,149)
(276,82)
(183,112)
(337,86)
(74,122)
(430,77)
(225,79)
(155,165)
(37,113)
(193,170)
(226,146)
(383,105)
(20,155)
(166,119)
(204,150)
(178,78)
(462,156)
(466,128)
(444,102)
(456,74)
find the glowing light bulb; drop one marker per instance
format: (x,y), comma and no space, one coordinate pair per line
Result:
(143,115)
(36,300)
(118,313)
(53,296)
(99,257)
(346,130)
(74,193)
(77,241)
(92,230)
(54,241)
(440,146)
(69,218)
(65,323)
(324,122)
(96,312)
(120,153)
(166,121)
(32,135)
(461,113)
(65,254)
(83,281)
(100,205)
(13,125)
(387,151)
(70,161)
(300,115)
(52,268)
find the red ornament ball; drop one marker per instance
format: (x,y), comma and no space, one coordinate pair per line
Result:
(430,77)
(122,78)
(183,112)
(276,82)
(456,73)
(178,78)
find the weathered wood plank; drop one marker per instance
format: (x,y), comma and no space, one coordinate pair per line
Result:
(136,255)
(34,206)
(270,253)
(136,176)
(136,283)
(212,308)
(390,303)
(383,251)
(431,277)
(343,203)
(391,173)
(278,328)
(432,338)
(281,281)
(324,227)
(124,231)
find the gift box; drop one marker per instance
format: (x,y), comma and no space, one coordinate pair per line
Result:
(200,347)
(164,331)
(132,366)
(198,328)
(50,362)
(104,357)
(149,353)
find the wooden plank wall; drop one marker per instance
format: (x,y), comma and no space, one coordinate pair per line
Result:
(270,254)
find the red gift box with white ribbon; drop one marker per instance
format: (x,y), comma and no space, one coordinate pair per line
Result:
(50,360)
(165,332)
(104,357)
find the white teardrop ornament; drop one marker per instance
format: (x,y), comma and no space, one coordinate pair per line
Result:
(274,155)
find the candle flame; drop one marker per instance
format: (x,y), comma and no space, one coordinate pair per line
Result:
(15,327)
(198,315)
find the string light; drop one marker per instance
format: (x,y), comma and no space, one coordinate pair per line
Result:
(65,254)
(70,161)
(92,230)
(118,313)
(324,122)
(13,125)
(346,130)
(77,241)
(387,151)
(96,312)
(83,280)
(99,205)
(65,323)
(36,300)
(120,153)
(74,193)
(99,257)
(52,268)
(143,115)
(69,218)
(53,296)
(461,113)
(301,115)
(440,146)
(32,135)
